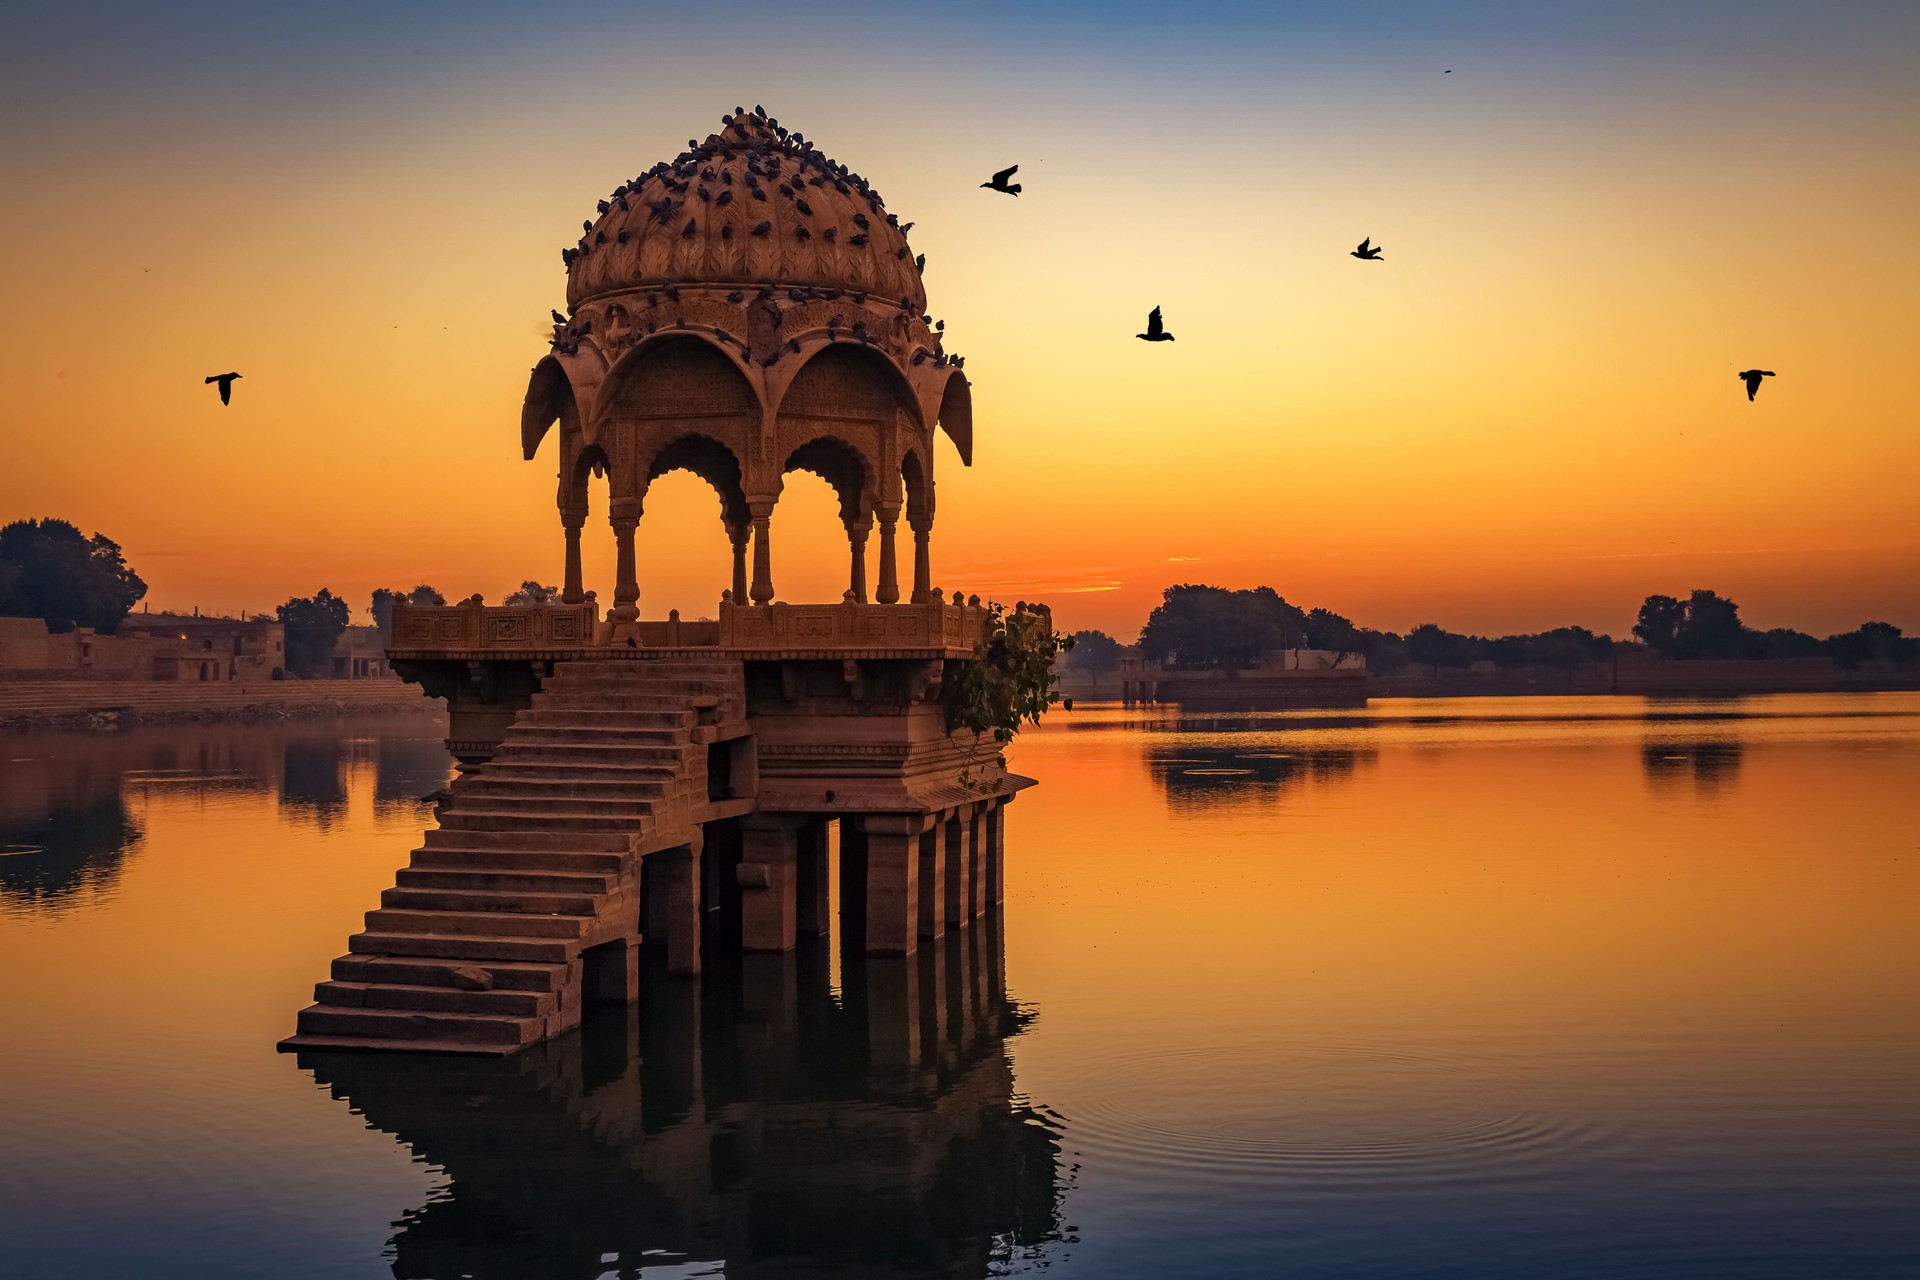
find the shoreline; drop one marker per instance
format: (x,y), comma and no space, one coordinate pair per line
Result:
(30,707)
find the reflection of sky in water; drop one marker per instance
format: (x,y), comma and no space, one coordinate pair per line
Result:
(1459,989)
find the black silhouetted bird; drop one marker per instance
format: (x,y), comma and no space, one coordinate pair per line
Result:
(226,385)
(1749,376)
(1367,253)
(1000,182)
(1156,332)
(557,319)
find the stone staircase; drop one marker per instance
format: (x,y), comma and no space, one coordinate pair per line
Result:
(477,947)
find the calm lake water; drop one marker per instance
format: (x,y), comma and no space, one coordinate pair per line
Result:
(1529,987)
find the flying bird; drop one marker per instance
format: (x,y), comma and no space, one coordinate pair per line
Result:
(1367,253)
(1156,332)
(226,385)
(1000,182)
(1749,376)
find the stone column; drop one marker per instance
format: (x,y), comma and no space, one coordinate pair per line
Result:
(737,535)
(933,874)
(769,861)
(922,558)
(959,895)
(813,905)
(975,828)
(893,883)
(997,853)
(762,589)
(573,591)
(625,515)
(678,882)
(857,533)
(889,592)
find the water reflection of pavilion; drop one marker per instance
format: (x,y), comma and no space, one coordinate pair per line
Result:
(748,1117)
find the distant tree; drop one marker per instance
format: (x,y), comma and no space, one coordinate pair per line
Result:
(532,592)
(1204,626)
(1094,652)
(50,570)
(1431,646)
(1509,652)
(384,598)
(1660,624)
(1872,642)
(1328,630)
(313,624)
(1569,647)
(1386,651)
(1784,642)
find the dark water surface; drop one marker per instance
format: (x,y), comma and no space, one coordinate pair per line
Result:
(1526,987)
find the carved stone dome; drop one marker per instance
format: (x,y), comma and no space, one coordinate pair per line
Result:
(752,205)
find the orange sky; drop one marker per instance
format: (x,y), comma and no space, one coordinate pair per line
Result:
(1525,416)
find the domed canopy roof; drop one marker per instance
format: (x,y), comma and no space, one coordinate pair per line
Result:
(752,205)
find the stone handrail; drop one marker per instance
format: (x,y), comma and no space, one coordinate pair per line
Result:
(473,628)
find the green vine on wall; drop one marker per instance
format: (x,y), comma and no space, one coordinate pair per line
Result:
(1010,682)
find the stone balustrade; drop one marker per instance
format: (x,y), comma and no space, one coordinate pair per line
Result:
(471,629)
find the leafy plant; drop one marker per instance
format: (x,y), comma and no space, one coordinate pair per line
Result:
(1010,681)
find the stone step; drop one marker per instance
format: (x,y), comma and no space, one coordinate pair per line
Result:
(403,1024)
(609,753)
(392,995)
(428,971)
(486,948)
(471,879)
(593,844)
(546,820)
(607,736)
(638,785)
(449,856)
(623,700)
(415,898)
(499,924)
(529,766)
(574,715)
(322,1045)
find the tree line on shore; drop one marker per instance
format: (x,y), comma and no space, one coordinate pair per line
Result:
(1201,626)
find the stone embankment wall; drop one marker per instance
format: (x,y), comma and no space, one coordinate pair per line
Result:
(89,704)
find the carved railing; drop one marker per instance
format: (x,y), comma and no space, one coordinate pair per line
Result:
(474,629)
(470,625)
(851,626)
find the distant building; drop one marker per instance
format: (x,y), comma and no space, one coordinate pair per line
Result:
(1282,675)
(150,646)
(361,654)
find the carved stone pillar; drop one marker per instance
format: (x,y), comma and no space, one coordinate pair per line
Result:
(922,558)
(737,534)
(573,591)
(857,543)
(762,590)
(959,886)
(769,863)
(933,875)
(679,910)
(889,592)
(624,517)
(893,883)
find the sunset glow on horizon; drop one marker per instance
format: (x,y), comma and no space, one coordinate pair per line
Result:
(1525,416)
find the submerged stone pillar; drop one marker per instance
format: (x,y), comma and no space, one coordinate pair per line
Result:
(933,874)
(813,903)
(857,543)
(573,590)
(625,516)
(678,883)
(975,828)
(737,535)
(996,840)
(959,886)
(762,589)
(889,592)
(893,883)
(769,862)
(922,558)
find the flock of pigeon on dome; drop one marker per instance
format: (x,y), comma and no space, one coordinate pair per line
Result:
(786,162)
